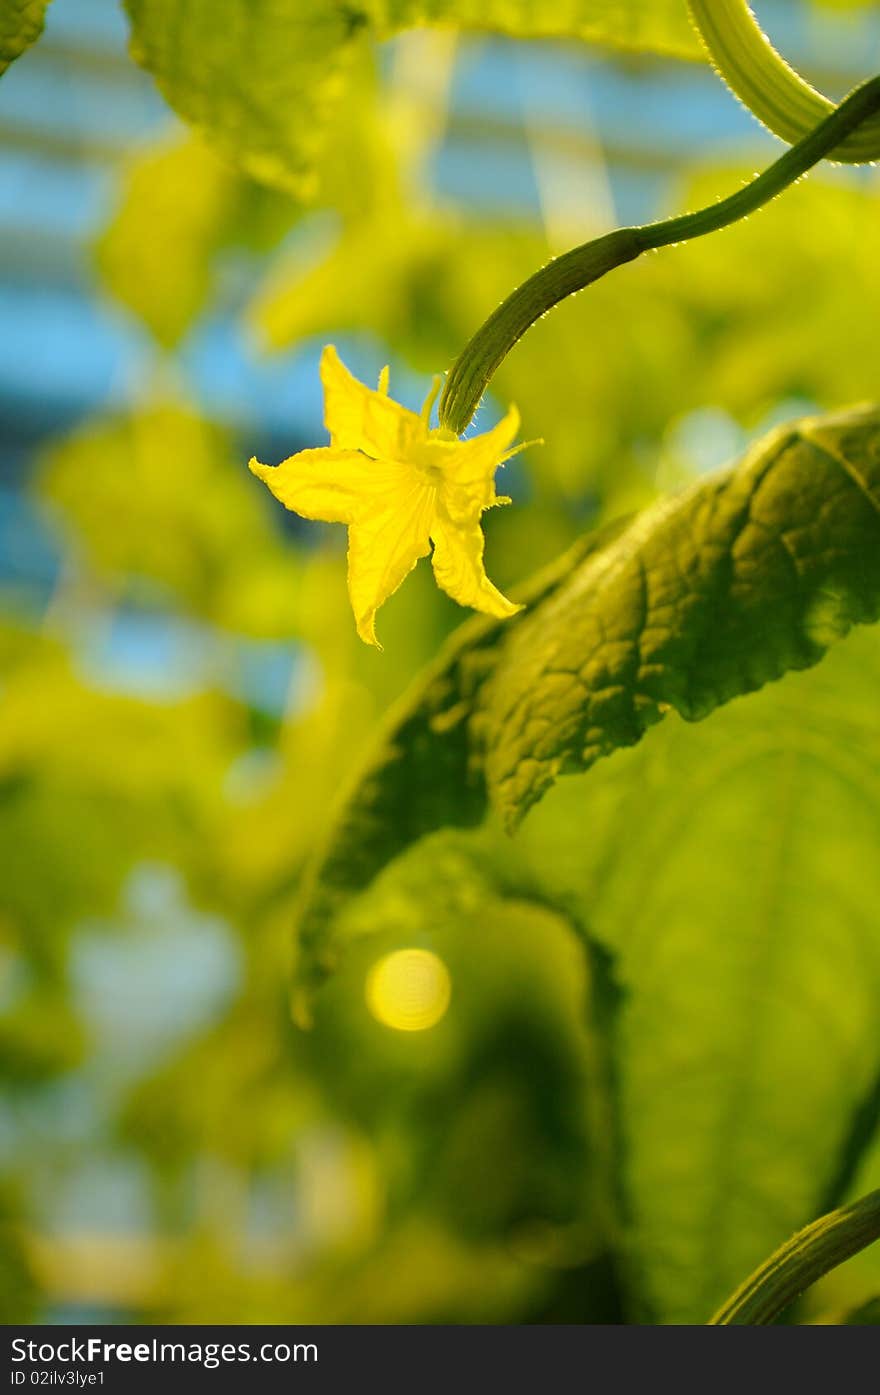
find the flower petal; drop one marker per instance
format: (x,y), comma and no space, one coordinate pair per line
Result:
(336,486)
(469,470)
(359,418)
(383,548)
(458,567)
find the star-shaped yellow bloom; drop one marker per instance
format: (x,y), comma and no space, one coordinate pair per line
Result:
(400,485)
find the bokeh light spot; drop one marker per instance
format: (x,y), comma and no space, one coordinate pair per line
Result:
(409,990)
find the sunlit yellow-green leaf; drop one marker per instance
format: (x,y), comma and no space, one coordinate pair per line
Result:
(187,519)
(155,254)
(262,80)
(258,78)
(660,25)
(180,206)
(91,782)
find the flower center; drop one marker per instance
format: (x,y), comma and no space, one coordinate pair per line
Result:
(433,475)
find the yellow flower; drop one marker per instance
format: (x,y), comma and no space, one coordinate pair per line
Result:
(400,485)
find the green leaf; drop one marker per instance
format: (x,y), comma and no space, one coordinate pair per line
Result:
(709,595)
(188,524)
(259,79)
(706,596)
(658,25)
(135,779)
(730,869)
(180,206)
(420,778)
(156,253)
(263,81)
(21,24)
(866,1315)
(520,977)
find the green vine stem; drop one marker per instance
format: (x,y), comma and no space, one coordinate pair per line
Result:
(802,1260)
(572,271)
(766,84)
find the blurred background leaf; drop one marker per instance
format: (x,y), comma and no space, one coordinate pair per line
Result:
(645,24)
(21,24)
(262,81)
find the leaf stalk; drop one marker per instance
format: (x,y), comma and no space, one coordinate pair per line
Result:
(481,357)
(803,1259)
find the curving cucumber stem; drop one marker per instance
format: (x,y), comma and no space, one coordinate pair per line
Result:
(802,1260)
(486,350)
(766,84)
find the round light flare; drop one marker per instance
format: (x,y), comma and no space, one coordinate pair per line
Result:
(409,990)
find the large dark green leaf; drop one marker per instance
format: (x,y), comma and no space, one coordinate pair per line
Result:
(709,595)
(729,869)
